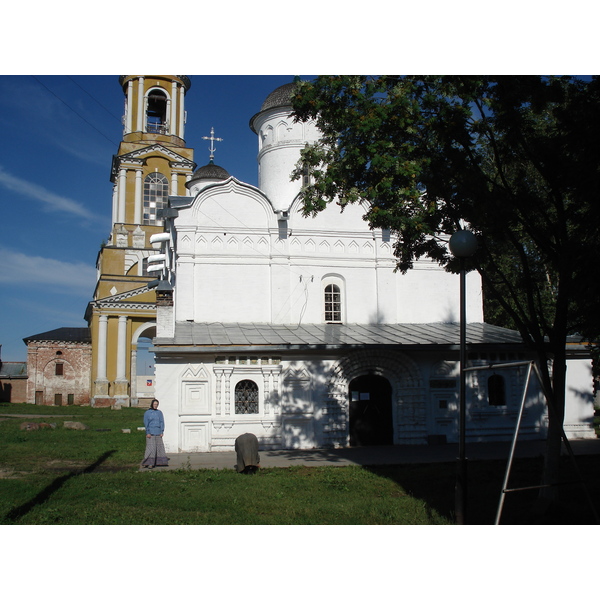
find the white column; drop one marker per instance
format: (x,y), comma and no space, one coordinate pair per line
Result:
(173,183)
(187,190)
(115,204)
(181,110)
(101,358)
(140,112)
(122,194)
(129,116)
(137,219)
(173,123)
(121,348)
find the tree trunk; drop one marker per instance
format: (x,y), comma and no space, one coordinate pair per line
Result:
(556,415)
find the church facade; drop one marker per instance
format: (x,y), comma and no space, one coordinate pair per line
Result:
(300,331)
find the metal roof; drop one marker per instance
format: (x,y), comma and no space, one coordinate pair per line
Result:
(13,370)
(62,334)
(258,336)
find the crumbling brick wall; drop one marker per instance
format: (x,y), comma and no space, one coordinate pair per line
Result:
(59,372)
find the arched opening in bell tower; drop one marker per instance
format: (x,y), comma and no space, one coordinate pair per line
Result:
(156,112)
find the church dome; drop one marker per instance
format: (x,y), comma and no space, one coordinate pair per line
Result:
(279,98)
(282,96)
(210,171)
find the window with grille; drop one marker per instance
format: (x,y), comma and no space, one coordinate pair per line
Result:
(246,398)
(156,196)
(333,304)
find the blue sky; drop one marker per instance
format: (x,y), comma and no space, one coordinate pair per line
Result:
(55,192)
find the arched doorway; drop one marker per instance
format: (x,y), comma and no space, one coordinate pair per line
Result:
(370,411)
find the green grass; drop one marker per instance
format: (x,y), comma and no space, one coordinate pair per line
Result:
(61,476)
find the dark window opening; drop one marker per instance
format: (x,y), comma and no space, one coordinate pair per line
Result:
(59,369)
(156,114)
(496,390)
(246,397)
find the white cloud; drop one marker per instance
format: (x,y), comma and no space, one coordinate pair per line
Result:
(50,200)
(17,268)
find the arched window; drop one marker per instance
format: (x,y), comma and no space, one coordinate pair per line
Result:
(246,397)
(496,390)
(156,196)
(156,112)
(333,304)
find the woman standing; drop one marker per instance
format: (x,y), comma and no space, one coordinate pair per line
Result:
(154,423)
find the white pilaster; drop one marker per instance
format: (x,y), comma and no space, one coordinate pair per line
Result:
(122,194)
(137,219)
(121,347)
(140,112)
(101,358)
(115,204)
(129,109)
(181,110)
(173,123)
(173,183)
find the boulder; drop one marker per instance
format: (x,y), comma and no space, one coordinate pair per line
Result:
(74,425)
(29,426)
(47,425)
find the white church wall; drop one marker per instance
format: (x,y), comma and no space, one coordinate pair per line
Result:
(428,294)
(297,394)
(579,409)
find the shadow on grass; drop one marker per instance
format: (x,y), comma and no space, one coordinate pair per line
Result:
(20,511)
(435,486)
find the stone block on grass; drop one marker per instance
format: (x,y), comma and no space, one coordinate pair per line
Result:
(74,425)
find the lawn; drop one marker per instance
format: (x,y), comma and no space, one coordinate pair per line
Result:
(92,476)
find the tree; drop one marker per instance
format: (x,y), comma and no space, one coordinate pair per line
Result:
(516,158)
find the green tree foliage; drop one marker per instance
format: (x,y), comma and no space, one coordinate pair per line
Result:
(515,157)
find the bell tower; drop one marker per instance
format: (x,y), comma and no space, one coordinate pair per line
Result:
(151,164)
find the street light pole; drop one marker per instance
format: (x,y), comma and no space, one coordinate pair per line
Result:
(462,245)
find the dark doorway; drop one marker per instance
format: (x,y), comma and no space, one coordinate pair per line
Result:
(370,411)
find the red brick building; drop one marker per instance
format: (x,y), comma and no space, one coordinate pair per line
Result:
(58,366)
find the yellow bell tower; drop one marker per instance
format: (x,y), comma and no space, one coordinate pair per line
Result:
(152,163)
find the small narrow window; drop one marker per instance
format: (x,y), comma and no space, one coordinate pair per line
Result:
(59,369)
(333,304)
(305,176)
(246,398)
(496,390)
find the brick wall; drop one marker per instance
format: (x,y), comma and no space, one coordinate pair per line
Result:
(59,372)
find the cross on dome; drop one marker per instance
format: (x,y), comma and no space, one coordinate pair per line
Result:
(212,139)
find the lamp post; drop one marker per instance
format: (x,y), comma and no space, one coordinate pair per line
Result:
(462,245)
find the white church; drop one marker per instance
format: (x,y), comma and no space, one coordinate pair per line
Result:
(298,329)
